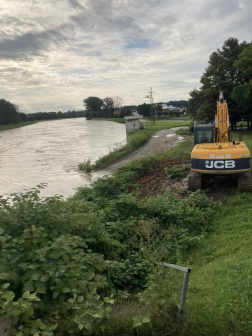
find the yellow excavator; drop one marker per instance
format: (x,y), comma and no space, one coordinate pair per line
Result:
(215,154)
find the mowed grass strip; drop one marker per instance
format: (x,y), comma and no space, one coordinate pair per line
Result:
(220,289)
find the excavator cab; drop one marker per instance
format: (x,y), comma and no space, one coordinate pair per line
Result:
(203,134)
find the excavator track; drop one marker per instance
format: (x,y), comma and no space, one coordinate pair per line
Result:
(194,181)
(245,182)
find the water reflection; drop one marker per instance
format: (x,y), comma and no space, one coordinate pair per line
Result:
(50,152)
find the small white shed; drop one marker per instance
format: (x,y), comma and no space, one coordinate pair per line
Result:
(133,122)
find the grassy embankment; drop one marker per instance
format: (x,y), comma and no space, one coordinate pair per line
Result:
(137,139)
(220,290)
(12,126)
(109,222)
(27,123)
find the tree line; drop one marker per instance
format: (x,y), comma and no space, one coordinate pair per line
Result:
(144,109)
(9,114)
(96,107)
(105,108)
(230,70)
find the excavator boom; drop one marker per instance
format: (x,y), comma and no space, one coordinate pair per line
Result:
(222,120)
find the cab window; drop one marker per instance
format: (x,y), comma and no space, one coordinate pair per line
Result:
(204,136)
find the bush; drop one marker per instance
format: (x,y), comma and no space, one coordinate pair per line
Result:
(86,165)
(175,172)
(63,259)
(47,250)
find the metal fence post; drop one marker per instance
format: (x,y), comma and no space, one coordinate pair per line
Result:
(181,306)
(187,271)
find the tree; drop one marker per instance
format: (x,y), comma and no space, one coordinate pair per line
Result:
(242,94)
(8,113)
(93,103)
(159,107)
(178,103)
(108,103)
(88,114)
(118,101)
(144,109)
(108,106)
(220,74)
(125,112)
(244,64)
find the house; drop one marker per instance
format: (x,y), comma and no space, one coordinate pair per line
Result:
(117,112)
(133,123)
(170,108)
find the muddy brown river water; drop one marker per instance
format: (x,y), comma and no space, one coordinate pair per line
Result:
(50,151)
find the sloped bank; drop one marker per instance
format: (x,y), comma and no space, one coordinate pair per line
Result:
(141,143)
(67,266)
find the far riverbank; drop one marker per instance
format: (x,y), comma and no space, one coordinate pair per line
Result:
(27,123)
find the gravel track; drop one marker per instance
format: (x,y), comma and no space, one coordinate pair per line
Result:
(159,142)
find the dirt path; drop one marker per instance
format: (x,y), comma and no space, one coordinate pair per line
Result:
(160,141)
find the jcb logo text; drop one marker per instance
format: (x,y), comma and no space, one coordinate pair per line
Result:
(220,164)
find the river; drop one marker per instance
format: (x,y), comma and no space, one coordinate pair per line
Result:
(49,152)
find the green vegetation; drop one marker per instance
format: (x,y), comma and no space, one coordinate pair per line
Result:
(160,125)
(10,116)
(237,86)
(66,265)
(246,137)
(118,120)
(22,124)
(11,126)
(86,265)
(184,131)
(221,284)
(137,139)
(105,108)
(175,172)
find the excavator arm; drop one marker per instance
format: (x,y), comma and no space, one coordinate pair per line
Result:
(222,120)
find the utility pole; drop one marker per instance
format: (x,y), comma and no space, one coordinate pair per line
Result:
(150,96)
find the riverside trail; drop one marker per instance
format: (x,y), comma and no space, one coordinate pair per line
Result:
(159,142)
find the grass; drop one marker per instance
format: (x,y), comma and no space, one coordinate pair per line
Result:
(12,126)
(220,289)
(118,120)
(137,139)
(182,151)
(184,131)
(219,299)
(160,125)
(27,123)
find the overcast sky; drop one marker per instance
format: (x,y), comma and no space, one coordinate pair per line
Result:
(55,53)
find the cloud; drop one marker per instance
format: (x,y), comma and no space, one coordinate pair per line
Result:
(54,54)
(30,44)
(138,43)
